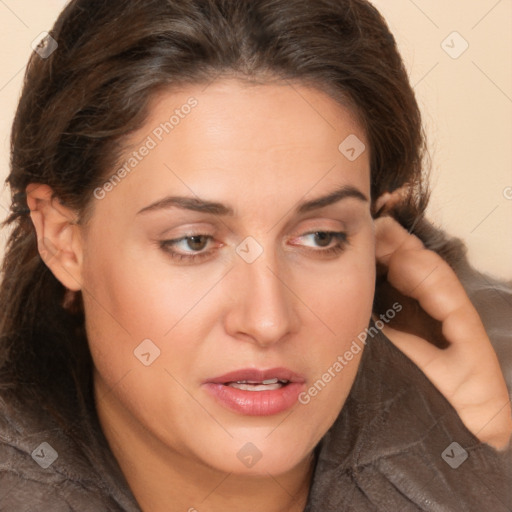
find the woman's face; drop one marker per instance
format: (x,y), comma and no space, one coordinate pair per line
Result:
(236,247)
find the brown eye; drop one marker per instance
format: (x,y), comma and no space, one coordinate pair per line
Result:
(197,243)
(323,244)
(190,249)
(323,239)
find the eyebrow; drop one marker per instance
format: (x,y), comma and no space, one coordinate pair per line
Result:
(200,205)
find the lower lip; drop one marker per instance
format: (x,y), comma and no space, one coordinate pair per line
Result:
(256,403)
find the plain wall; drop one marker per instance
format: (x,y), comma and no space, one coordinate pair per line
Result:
(466,100)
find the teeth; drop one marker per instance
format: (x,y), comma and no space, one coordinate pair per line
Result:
(268,381)
(266,385)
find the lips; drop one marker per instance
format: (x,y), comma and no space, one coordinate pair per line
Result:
(256,392)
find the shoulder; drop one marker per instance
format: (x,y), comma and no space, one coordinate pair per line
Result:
(43,467)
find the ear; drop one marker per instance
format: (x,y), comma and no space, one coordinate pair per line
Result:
(387,201)
(59,238)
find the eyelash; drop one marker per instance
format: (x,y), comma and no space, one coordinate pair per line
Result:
(166,245)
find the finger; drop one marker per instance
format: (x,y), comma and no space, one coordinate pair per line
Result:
(390,237)
(423,275)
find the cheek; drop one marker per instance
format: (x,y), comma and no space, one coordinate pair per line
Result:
(136,295)
(131,298)
(343,307)
(343,296)
(121,308)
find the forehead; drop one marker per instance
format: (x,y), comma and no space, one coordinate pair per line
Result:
(216,139)
(251,109)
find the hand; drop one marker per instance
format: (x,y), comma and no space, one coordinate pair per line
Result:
(466,371)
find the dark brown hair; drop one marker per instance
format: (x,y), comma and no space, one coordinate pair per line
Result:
(79,104)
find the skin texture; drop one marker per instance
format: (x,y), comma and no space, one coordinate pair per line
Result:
(261,150)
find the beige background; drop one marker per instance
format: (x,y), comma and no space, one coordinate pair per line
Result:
(466,100)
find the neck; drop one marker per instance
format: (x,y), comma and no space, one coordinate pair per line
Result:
(159,475)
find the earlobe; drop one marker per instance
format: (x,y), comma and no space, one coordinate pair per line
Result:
(58,235)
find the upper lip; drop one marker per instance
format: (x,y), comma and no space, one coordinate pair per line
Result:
(256,375)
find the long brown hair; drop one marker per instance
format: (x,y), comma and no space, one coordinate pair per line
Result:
(79,103)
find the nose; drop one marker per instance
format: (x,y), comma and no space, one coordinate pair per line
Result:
(263,304)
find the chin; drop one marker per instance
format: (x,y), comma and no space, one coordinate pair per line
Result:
(258,455)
